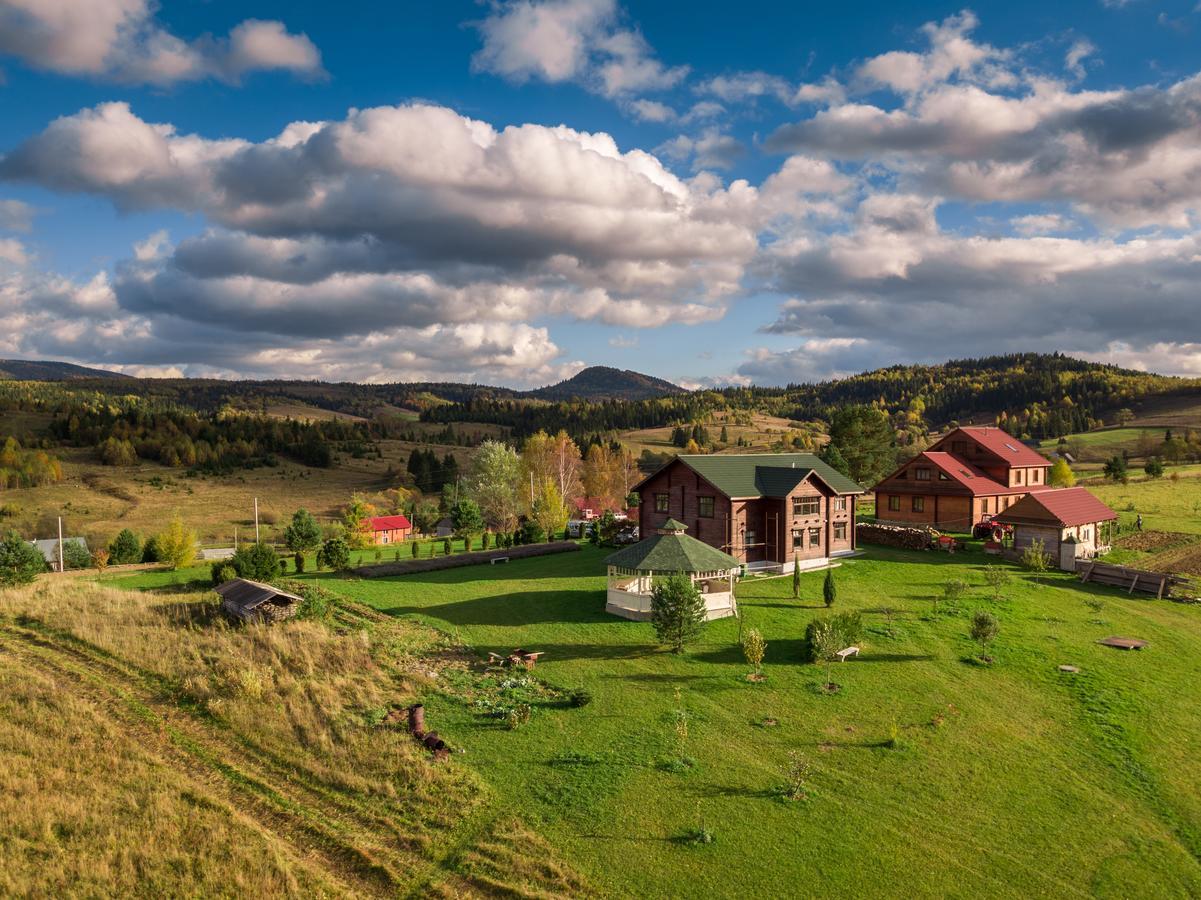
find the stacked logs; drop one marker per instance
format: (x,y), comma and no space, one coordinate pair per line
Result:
(428,739)
(904,537)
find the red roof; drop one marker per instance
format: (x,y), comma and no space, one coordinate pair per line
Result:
(1004,445)
(1067,506)
(388,523)
(980,483)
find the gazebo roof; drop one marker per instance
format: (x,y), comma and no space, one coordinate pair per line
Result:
(672,551)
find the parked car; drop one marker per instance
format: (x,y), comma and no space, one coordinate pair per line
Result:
(628,535)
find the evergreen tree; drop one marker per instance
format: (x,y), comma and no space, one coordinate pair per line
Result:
(303,534)
(677,611)
(125,548)
(20,562)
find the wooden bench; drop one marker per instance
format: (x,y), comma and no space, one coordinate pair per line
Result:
(516,658)
(847,651)
(497,559)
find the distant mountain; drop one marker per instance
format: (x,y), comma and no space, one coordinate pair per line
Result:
(49,370)
(607,383)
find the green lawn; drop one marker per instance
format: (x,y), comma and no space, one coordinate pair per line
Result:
(1013,780)
(1164,504)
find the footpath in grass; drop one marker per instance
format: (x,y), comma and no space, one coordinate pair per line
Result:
(926,770)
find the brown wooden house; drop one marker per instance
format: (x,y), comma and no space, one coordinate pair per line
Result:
(968,476)
(770,511)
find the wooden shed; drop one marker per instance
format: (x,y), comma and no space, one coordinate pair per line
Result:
(253,601)
(1070,523)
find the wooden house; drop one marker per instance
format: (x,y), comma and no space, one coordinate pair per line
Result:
(390,529)
(770,511)
(968,476)
(1070,523)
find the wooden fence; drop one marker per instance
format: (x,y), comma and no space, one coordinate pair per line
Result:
(1161,584)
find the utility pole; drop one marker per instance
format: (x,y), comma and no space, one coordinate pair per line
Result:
(61,567)
(256,520)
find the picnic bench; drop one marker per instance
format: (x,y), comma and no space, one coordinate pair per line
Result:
(518,657)
(497,559)
(847,651)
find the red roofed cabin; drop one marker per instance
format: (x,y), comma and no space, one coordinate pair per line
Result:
(968,476)
(390,529)
(1069,522)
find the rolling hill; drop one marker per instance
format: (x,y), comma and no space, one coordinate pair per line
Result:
(50,370)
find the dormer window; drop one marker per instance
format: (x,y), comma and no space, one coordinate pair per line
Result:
(921,474)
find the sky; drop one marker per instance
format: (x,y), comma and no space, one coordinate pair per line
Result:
(504,192)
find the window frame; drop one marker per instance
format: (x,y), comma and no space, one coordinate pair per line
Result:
(921,473)
(806,500)
(662,503)
(815,537)
(704,500)
(840,531)
(918,504)
(894,502)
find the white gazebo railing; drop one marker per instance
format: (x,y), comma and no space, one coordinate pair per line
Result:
(629,591)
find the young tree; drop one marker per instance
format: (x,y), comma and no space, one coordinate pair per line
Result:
(796,581)
(677,611)
(997,578)
(334,553)
(176,545)
(100,560)
(984,631)
(825,641)
(125,548)
(549,510)
(829,589)
(865,438)
(303,534)
(754,648)
(356,519)
(1154,467)
(493,483)
(20,562)
(1116,469)
(1036,558)
(76,555)
(1061,474)
(466,520)
(257,561)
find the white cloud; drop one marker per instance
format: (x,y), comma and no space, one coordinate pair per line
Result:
(13,252)
(711,149)
(16,215)
(120,40)
(571,40)
(1041,223)
(1073,61)
(652,111)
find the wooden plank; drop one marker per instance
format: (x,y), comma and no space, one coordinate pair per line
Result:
(1089,573)
(1133,583)
(1163,583)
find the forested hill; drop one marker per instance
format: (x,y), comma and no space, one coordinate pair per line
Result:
(1032,395)
(50,370)
(605,382)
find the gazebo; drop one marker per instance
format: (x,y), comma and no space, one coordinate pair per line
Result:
(633,569)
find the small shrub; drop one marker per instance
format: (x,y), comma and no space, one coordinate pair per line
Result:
(754,648)
(796,776)
(997,578)
(447,546)
(20,563)
(257,561)
(518,716)
(415,549)
(334,553)
(298,562)
(1036,558)
(829,589)
(222,571)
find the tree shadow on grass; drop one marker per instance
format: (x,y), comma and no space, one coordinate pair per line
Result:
(749,603)
(196,614)
(516,609)
(892,657)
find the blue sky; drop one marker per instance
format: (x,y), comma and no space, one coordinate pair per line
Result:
(503,192)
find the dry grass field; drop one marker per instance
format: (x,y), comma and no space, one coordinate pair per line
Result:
(164,753)
(761,432)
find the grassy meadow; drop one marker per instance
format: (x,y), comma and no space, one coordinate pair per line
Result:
(1005,780)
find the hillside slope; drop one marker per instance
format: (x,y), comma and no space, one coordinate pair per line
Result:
(51,370)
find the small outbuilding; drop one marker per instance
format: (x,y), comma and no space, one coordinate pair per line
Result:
(633,570)
(253,601)
(1070,522)
(49,549)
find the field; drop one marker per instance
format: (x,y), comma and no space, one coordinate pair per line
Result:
(1017,779)
(758,431)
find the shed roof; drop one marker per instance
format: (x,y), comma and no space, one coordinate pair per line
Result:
(672,552)
(247,595)
(48,547)
(1066,507)
(765,474)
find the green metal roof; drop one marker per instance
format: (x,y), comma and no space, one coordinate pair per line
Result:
(672,553)
(673,525)
(765,474)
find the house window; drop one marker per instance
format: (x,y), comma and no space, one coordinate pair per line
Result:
(750,537)
(985,504)
(1020,476)
(704,507)
(815,537)
(1036,475)
(921,474)
(840,504)
(1086,533)
(840,531)
(894,503)
(798,540)
(919,504)
(942,476)
(662,502)
(806,506)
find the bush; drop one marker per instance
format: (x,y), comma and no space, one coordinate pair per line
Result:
(258,562)
(20,562)
(176,545)
(485,540)
(952,592)
(334,553)
(222,571)
(126,548)
(531,533)
(677,611)
(298,561)
(1154,467)
(416,549)
(447,547)
(754,648)
(1036,558)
